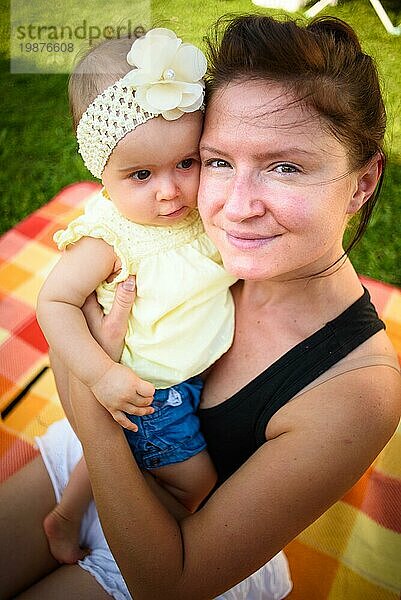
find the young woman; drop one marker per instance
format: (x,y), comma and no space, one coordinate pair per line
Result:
(309,392)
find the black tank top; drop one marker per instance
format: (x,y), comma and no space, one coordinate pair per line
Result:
(235,429)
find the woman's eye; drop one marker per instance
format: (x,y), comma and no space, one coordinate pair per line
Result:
(217,163)
(141,175)
(186,163)
(285,168)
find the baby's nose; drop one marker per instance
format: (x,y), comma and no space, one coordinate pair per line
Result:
(168,189)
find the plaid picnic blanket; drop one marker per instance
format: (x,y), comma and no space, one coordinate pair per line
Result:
(353,552)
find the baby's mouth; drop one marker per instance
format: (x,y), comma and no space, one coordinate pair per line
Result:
(176,213)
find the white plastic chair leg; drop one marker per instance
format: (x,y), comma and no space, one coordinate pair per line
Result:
(384,18)
(289,5)
(318,7)
(377,5)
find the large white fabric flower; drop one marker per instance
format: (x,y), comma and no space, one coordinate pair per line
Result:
(168,74)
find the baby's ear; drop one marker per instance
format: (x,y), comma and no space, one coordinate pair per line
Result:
(367,181)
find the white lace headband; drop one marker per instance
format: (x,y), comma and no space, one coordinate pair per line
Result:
(166,81)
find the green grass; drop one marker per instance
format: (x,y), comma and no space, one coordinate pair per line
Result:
(38,149)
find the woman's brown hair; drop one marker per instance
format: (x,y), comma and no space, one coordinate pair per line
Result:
(322,64)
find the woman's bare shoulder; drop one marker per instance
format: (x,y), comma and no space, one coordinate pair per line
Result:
(361,396)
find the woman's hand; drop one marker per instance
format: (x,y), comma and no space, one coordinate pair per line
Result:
(109,330)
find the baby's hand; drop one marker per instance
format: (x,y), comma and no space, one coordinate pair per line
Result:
(121,391)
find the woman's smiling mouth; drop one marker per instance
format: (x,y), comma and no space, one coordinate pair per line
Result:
(249,241)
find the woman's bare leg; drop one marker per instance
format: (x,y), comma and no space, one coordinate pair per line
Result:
(69,582)
(25,499)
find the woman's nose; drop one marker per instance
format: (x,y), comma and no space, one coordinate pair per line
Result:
(168,189)
(243,200)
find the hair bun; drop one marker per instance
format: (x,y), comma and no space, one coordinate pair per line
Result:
(340,31)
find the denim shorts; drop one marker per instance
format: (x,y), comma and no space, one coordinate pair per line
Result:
(172,433)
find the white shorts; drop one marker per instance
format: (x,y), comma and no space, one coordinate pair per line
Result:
(61,450)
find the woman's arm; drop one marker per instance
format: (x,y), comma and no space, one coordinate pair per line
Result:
(289,482)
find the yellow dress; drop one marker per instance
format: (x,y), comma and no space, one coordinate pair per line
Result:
(183,317)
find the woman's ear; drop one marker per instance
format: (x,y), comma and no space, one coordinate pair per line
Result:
(367,181)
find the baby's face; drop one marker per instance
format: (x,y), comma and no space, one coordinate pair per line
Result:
(152,175)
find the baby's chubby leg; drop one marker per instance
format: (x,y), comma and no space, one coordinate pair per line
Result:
(189,481)
(170,445)
(63,524)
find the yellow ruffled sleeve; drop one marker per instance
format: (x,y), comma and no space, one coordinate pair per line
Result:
(101,221)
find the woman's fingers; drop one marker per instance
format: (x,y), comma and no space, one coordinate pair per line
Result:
(116,322)
(109,330)
(122,305)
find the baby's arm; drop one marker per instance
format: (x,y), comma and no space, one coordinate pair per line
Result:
(78,273)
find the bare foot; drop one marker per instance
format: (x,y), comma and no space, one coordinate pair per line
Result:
(63,537)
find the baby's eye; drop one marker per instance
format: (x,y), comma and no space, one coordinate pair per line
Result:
(186,163)
(141,175)
(286,168)
(217,163)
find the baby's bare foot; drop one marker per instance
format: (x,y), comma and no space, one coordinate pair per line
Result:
(63,537)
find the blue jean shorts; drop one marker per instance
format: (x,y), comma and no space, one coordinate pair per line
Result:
(172,433)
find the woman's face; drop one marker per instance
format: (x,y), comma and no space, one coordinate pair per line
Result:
(275,189)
